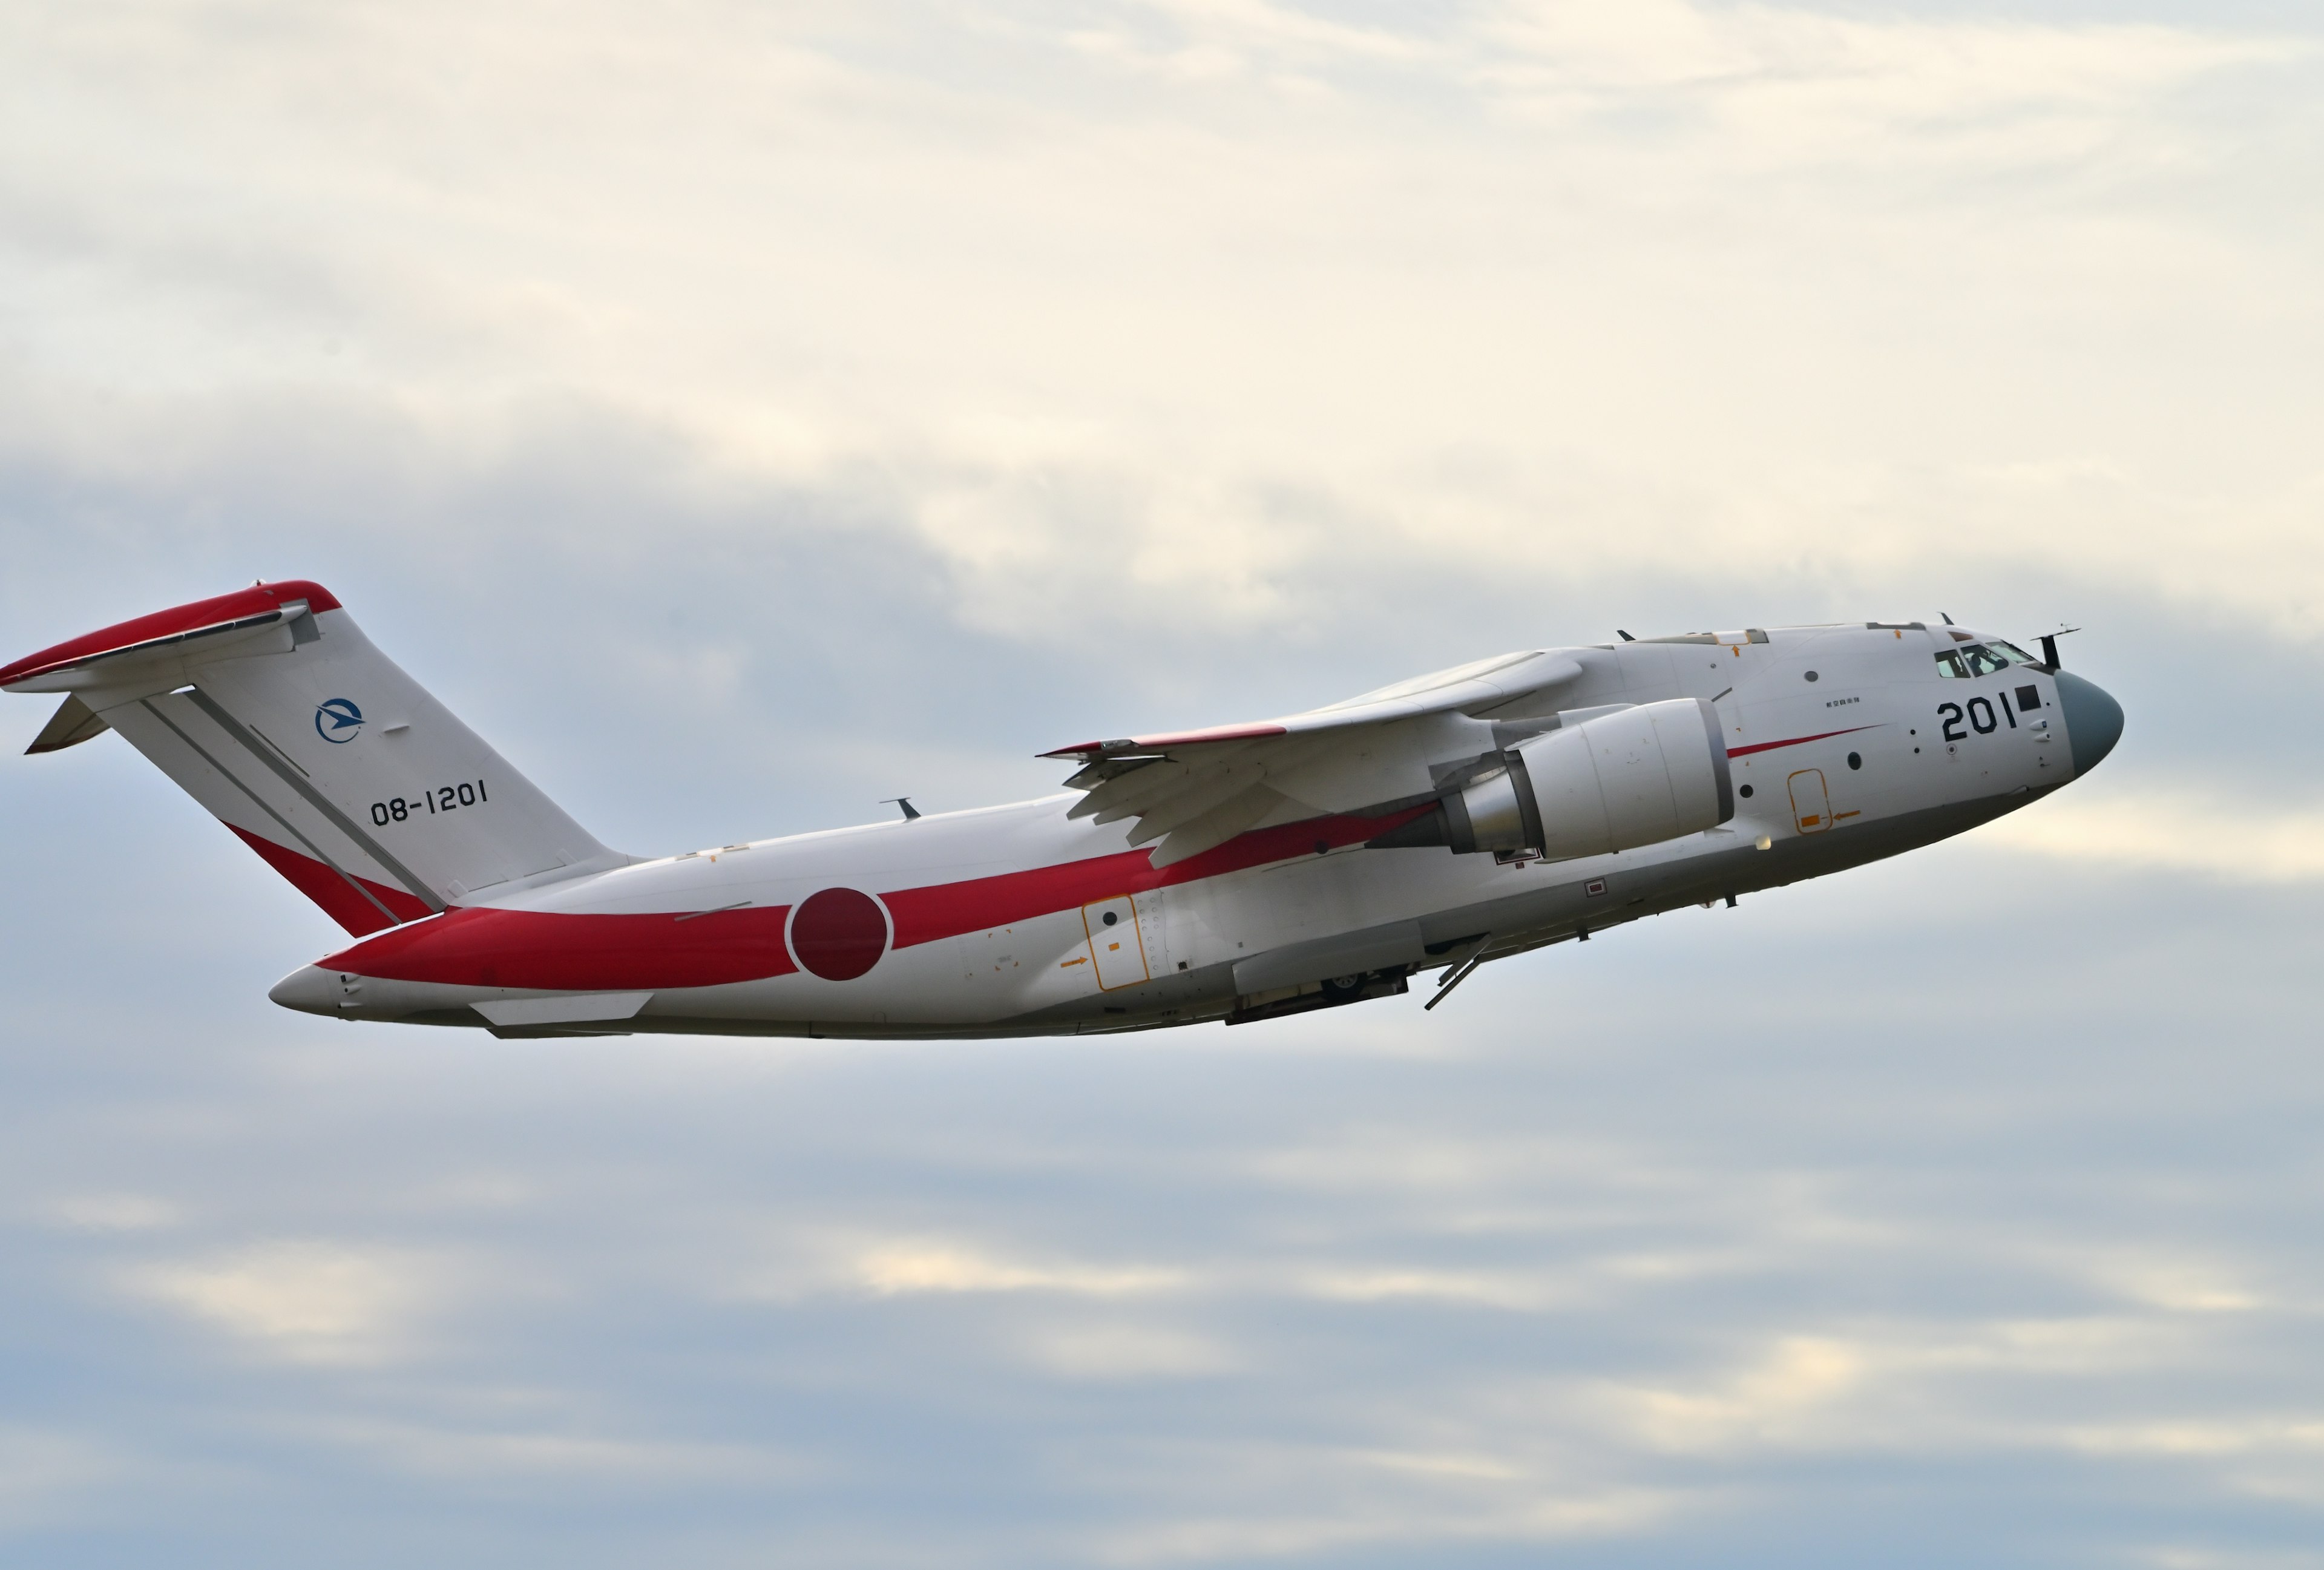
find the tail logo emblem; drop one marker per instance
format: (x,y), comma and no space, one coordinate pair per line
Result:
(338,720)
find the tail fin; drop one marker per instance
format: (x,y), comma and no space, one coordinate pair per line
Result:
(272,709)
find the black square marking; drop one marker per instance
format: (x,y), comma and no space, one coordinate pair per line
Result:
(2029,698)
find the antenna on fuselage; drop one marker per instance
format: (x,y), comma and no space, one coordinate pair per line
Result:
(910,811)
(2050,647)
(1624,636)
(1948,620)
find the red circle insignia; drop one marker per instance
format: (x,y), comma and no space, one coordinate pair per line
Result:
(838,934)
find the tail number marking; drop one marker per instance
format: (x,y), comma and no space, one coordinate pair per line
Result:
(441,799)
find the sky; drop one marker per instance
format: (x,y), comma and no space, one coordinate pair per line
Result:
(740,414)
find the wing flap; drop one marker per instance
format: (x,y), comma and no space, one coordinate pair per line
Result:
(1196,789)
(1214,789)
(1216,827)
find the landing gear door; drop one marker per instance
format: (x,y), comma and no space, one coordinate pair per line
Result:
(1811,802)
(1115,942)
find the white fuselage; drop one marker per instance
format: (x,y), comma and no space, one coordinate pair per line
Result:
(1845,744)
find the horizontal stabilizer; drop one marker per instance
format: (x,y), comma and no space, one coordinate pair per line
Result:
(73,722)
(153,650)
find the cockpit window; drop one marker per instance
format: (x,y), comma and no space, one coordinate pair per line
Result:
(1981,659)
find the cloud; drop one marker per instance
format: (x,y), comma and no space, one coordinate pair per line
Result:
(742,415)
(1363,1520)
(1775,84)
(109,1212)
(1535,292)
(465,1454)
(2207,832)
(306,1301)
(1484,1289)
(1770,1402)
(48,1475)
(1125,1350)
(2294,1435)
(908,1267)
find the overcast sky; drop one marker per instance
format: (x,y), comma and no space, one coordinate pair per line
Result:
(743,413)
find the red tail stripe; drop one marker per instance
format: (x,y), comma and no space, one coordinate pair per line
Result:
(339,899)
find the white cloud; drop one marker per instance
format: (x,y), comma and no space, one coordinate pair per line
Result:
(1785,85)
(1219,324)
(1777,1399)
(596,1460)
(306,1301)
(1360,1523)
(1533,289)
(1090,1350)
(1481,1288)
(47,1475)
(115,1212)
(2205,833)
(2200,1437)
(900,1269)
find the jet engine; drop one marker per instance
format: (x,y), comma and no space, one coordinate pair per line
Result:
(1632,778)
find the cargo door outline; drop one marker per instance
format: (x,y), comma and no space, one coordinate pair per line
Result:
(1811,801)
(1119,951)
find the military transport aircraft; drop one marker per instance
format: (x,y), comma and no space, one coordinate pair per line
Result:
(1235,873)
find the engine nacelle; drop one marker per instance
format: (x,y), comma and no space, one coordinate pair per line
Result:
(1632,778)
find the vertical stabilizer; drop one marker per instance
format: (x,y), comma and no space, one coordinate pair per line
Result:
(271,707)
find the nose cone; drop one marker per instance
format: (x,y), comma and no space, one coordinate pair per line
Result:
(2093,720)
(309,990)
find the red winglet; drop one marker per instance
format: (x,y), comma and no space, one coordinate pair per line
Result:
(223,610)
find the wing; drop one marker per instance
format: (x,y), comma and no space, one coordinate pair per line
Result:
(1193,790)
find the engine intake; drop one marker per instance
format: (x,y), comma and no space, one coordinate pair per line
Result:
(1636,777)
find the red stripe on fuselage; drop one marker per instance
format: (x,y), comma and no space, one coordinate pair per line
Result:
(949,909)
(482,947)
(339,899)
(485,947)
(550,951)
(1796,741)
